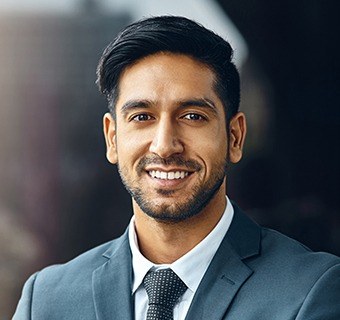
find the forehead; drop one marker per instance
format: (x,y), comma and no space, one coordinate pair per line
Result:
(165,76)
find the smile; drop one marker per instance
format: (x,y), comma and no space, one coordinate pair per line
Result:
(172,175)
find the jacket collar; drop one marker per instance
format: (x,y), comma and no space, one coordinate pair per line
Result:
(228,270)
(112,283)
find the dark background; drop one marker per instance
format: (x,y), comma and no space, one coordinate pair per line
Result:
(58,194)
(296,177)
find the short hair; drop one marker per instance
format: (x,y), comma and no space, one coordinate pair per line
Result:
(176,35)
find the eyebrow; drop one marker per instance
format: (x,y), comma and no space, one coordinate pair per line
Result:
(199,102)
(144,104)
(135,104)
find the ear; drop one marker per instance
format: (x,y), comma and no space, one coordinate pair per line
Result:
(237,134)
(109,127)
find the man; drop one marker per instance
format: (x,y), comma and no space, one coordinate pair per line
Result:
(189,253)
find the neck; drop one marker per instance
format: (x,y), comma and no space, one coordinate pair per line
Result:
(164,242)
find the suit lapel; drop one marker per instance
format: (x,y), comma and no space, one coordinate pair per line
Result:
(225,276)
(227,271)
(112,283)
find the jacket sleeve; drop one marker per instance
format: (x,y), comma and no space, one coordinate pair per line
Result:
(323,300)
(23,311)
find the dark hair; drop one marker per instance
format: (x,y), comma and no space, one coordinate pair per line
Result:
(176,35)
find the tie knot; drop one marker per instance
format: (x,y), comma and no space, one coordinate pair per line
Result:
(164,287)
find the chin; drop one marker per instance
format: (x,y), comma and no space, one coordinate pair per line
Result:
(172,211)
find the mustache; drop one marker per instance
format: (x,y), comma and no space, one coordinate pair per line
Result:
(177,160)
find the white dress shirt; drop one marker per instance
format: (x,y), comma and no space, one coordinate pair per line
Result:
(190,268)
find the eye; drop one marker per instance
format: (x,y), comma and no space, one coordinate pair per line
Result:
(194,117)
(141,117)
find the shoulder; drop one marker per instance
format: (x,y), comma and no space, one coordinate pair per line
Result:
(310,279)
(81,266)
(278,261)
(292,264)
(287,251)
(59,288)
(66,278)
(271,249)
(285,274)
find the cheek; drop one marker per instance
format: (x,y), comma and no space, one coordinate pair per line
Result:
(215,154)
(212,156)
(210,142)
(130,147)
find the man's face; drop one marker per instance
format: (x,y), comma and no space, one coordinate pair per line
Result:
(169,137)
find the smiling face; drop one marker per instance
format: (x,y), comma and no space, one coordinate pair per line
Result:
(169,137)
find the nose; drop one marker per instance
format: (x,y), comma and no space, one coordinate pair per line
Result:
(166,141)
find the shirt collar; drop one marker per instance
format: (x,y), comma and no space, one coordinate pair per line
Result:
(192,266)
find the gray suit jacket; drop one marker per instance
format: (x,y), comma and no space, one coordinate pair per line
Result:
(256,274)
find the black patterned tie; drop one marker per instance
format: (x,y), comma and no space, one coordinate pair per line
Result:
(164,288)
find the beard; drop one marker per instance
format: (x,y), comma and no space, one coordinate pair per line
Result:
(202,193)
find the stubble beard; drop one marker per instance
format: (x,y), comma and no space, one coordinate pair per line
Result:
(200,197)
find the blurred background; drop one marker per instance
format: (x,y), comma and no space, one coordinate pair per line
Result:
(58,194)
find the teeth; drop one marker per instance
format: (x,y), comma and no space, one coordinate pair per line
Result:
(164,175)
(171,175)
(168,175)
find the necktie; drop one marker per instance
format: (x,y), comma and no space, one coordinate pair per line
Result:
(164,288)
